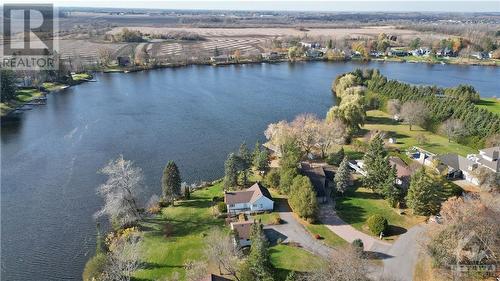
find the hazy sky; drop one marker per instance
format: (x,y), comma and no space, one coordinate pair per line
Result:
(344,5)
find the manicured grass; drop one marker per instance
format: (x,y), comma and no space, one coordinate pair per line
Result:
(266,218)
(4,108)
(286,258)
(378,120)
(359,204)
(491,104)
(26,95)
(191,220)
(328,237)
(53,86)
(81,76)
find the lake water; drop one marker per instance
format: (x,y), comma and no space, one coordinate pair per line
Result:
(194,116)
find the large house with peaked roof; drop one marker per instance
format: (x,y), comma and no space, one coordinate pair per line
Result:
(252,200)
(403,171)
(320,177)
(243,229)
(465,167)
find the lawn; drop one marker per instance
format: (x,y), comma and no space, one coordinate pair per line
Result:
(288,258)
(360,203)
(327,236)
(191,220)
(378,120)
(26,95)
(81,76)
(53,86)
(491,104)
(266,218)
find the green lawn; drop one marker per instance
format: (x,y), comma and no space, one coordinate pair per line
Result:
(81,76)
(26,95)
(288,258)
(266,218)
(328,237)
(360,203)
(491,104)
(378,120)
(53,86)
(191,220)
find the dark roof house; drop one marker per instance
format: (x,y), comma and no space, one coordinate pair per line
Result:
(318,179)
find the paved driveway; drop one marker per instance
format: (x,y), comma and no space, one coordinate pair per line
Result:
(292,231)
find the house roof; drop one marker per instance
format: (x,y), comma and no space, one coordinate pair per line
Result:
(402,169)
(489,151)
(455,161)
(317,177)
(247,196)
(243,228)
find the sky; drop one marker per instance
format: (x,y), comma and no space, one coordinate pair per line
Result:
(282,5)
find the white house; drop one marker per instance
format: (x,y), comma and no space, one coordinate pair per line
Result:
(252,200)
(242,229)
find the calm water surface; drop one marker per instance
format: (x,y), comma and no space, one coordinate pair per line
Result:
(193,115)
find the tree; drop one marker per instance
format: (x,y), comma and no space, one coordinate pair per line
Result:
(245,159)
(302,198)
(424,195)
(8,85)
(272,179)
(389,188)
(262,161)
(343,176)
(328,134)
(415,43)
(290,155)
(336,158)
(258,262)
(414,113)
(469,232)
(124,255)
(221,250)
(171,182)
(329,44)
(230,172)
(351,111)
(345,265)
(376,164)
(286,179)
(120,192)
(195,270)
(453,129)
(394,106)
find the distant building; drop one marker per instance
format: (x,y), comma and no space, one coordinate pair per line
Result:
(314,53)
(310,44)
(220,59)
(254,199)
(421,52)
(242,229)
(213,277)
(397,53)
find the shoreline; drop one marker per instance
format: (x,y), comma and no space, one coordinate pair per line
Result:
(11,113)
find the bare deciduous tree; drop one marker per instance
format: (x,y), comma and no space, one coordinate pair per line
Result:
(394,106)
(123,257)
(221,250)
(345,265)
(120,191)
(330,133)
(196,270)
(453,128)
(414,113)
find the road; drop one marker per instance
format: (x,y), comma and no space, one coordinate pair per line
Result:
(291,230)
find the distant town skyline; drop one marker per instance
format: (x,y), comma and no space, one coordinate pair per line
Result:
(320,6)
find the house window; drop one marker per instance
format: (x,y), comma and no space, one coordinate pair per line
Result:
(254,205)
(232,205)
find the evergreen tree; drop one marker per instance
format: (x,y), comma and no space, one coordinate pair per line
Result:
(375,164)
(302,198)
(262,161)
(171,182)
(290,154)
(389,188)
(8,85)
(255,153)
(424,195)
(245,159)
(343,176)
(230,172)
(258,261)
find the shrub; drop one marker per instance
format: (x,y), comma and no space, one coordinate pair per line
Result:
(336,157)
(217,199)
(242,217)
(317,236)
(222,207)
(276,219)
(272,179)
(163,203)
(377,224)
(358,245)
(168,229)
(94,267)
